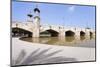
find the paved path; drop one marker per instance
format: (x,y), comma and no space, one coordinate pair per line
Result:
(78,53)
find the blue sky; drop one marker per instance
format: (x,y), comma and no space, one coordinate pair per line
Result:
(56,14)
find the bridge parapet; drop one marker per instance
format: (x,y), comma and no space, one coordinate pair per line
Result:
(83,29)
(22,26)
(44,28)
(71,29)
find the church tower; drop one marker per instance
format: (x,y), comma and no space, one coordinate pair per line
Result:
(36,32)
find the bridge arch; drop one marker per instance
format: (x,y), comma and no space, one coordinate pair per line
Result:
(82,33)
(69,33)
(19,32)
(50,32)
(91,33)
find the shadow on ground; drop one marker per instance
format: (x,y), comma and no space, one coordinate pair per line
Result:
(39,57)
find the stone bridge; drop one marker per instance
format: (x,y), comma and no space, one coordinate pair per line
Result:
(54,31)
(32,28)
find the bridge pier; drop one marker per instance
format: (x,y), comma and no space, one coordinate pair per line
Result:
(36,33)
(87,34)
(61,33)
(77,35)
(36,27)
(93,34)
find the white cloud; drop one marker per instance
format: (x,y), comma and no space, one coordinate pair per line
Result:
(72,8)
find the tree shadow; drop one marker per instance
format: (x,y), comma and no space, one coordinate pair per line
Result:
(39,57)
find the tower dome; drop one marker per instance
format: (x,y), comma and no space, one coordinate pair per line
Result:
(36,10)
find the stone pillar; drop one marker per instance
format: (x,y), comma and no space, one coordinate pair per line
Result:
(94,34)
(87,34)
(77,35)
(36,30)
(62,35)
(61,32)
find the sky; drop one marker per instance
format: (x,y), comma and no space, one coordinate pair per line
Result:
(56,14)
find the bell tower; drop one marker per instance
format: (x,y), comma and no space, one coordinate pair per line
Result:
(36,32)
